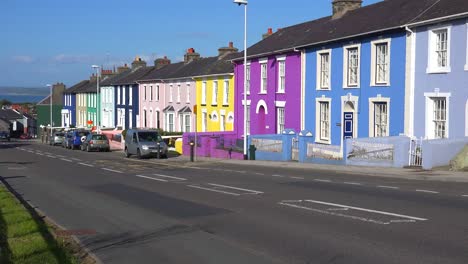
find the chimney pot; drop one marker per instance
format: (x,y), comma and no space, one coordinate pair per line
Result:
(270,31)
(231,44)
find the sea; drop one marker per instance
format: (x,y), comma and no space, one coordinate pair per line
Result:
(23,98)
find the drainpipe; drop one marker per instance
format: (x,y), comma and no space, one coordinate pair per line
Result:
(410,92)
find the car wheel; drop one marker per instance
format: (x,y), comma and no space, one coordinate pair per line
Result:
(88,149)
(126,153)
(108,150)
(138,154)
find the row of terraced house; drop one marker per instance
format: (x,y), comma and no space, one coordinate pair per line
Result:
(349,87)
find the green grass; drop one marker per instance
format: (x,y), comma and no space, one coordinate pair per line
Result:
(24,239)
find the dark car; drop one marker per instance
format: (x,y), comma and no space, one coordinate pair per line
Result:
(4,135)
(76,137)
(97,142)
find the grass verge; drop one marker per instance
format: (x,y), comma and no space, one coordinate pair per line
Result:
(24,239)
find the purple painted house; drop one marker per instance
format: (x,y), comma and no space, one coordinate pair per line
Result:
(274,90)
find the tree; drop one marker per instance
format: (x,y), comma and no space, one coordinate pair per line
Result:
(4,102)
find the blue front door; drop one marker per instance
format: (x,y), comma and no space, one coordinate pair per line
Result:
(348,125)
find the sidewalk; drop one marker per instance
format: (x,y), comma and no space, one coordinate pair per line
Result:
(406,173)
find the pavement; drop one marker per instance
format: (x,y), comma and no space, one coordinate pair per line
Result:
(226,211)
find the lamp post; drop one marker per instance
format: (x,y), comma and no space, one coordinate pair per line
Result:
(50,104)
(97,96)
(244,2)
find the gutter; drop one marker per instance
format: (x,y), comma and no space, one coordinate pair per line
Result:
(213,75)
(435,20)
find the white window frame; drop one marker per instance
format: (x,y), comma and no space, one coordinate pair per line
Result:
(429,124)
(374,44)
(432,66)
(466,63)
(170,126)
(280,119)
(130,95)
(281,62)
(157,92)
(318,120)
(226,93)
(204,120)
(130,118)
(372,102)
(171,90)
(248,114)
(346,49)
(187,123)
(123,96)
(203,93)
(319,82)
(263,76)
(214,95)
(247,88)
(118,95)
(188,93)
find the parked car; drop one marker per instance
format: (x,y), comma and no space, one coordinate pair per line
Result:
(66,139)
(97,142)
(25,136)
(76,138)
(57,138)
(5,135)
(144,143)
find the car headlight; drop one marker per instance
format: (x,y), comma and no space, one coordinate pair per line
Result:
(144,147)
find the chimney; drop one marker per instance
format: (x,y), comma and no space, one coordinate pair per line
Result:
(161,62)
(269,33)
(138,62)
(106,73)
(93,77)
(57,93)
(341,7)
(191,55)
(122,68)
(227,50)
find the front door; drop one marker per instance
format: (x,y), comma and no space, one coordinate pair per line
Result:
(348,128)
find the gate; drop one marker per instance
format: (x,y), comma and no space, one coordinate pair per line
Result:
(295,149)
(415,153)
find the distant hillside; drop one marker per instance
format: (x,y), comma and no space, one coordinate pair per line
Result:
(8,90)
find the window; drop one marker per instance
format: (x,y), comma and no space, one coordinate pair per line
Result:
(226,93)
(222,122)
(118,95)
(178,93)
(214,98)
(204,121)
(264,79)
(380,119)
(130,95)
(170,122)
(170,93)
(145,92)
(157,92)
(323,69)
(351,66)
(440,117)
(158,126)
(188,93)
(280,121)
(187,123)
(281,74)
(439,50)
(130,118)
(145,118)
(203,94)
(151,93)
(124,101)
(380,71)
(247,88)
(324,121)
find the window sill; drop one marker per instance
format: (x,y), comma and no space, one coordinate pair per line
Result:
(351,87)
(214,104)
(203,104)
(225,105)
(282,92)
(325,142)
(380,84)
(323,89)
(466,67)
(262,93)
(438,70)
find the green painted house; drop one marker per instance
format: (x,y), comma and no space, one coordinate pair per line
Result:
(43,108)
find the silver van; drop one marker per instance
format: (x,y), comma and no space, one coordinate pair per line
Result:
(144,143)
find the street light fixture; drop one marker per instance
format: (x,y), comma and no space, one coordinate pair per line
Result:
(244,2)
(97,96)
(50,104)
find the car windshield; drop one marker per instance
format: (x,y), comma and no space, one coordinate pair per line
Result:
(99,137)
(80,134)
(59,134)
(149,137)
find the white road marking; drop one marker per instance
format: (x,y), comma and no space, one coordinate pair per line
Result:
(276,175)
(258,173)
(320,180)
(116,171)
(212,190)
(300,178)
(426,191)
(235,188)
(40,154)
(388,187)
(465,195)
(151,178)
(86,164)
(367,210)
(170,177)
(76,159)
(67,160)
(62,156)
(240,171)
(352,183)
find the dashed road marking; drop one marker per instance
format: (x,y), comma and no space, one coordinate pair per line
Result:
(427,191)
(388,187)
(50,156)
(213,190)
(40,154)
(258,173)
(299,178)
(111,170)
(277,175)
(170,177)
(352,183)
(235,188)
(465,195)
(67,160)
(86,164)
(151,178)
(321,180)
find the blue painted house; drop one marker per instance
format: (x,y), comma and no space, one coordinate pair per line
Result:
(126,94)
(69,104)
(438,94)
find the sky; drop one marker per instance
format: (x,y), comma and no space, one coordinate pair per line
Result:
(49,41)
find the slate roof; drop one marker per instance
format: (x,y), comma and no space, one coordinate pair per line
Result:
(9,114)
(133,76)
(382,16)
(108,81)
(75,87)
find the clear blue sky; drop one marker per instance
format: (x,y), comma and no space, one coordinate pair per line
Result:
(48,41)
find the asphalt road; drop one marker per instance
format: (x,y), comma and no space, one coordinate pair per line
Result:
(171,211)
